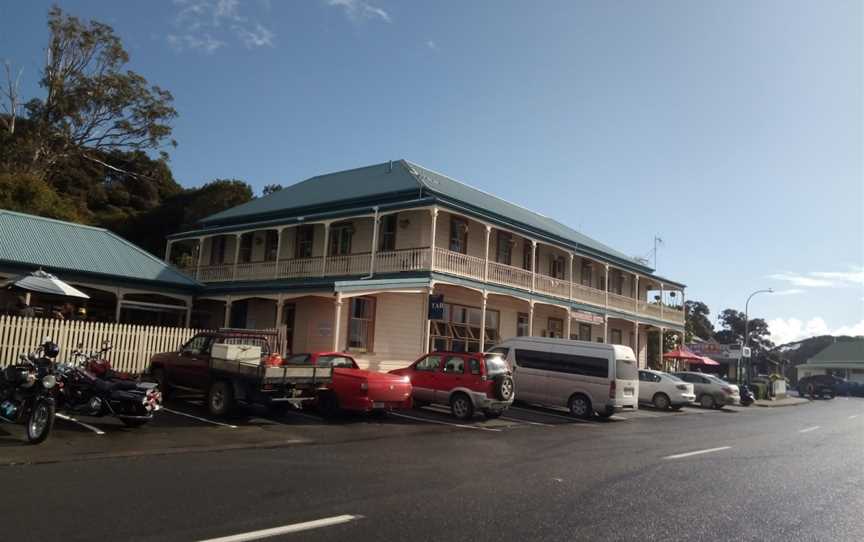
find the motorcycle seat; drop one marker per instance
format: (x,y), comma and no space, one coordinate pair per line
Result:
(108,386)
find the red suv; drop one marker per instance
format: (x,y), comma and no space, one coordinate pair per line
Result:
(466,382)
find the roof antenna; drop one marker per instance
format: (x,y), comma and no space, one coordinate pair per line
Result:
(390,166)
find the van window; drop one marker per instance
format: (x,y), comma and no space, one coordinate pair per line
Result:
(563,363)
(495,365)
(625,369)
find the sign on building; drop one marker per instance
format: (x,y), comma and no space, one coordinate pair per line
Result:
(436,307)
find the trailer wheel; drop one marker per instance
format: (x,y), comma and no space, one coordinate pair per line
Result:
(220,398)
(328,404)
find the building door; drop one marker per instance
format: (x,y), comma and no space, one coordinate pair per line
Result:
(289,311)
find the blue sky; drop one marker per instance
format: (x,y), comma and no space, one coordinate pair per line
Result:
(732,129)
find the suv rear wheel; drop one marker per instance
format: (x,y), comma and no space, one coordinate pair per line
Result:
(580,407)
(461,406)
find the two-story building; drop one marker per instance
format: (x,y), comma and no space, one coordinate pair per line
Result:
(350,261)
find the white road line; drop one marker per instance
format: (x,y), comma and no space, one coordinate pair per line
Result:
(82,424)
(463,426)
(287,529)
(853,416)
(526,421)
(539,413)
(697,452)
(815,427)
(199,419)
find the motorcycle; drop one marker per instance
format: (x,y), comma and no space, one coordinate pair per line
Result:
(92,388)
(27,392)
(747,396)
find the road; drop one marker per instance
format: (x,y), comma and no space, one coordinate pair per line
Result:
(739,474)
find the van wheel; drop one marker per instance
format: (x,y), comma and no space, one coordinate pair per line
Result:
(461,407)
(220,398)
(580,407)
(661,401)
(706,401)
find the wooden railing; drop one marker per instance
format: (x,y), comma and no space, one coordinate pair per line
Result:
(621,302)
(508,275)
(460,264)
(216,273)
(552,286)
(349,264)
(649,309)
(397,261)
(586,294)
(299,268)
(256,271)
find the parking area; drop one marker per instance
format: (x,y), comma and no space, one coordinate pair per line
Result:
(184,426)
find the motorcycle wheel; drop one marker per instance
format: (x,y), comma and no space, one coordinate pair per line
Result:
(39,422)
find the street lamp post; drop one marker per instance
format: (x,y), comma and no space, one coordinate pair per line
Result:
(747,326)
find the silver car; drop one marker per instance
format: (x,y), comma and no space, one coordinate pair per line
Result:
(710,391)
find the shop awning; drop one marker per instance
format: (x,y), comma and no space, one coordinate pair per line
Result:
(708,361)
(685,355)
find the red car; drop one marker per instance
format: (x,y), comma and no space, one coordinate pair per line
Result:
(467,382)
(355,389)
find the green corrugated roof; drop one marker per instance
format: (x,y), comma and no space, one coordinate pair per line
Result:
(840,352)
(403,179)
(33,241)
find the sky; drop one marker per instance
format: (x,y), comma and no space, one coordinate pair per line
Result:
(732,130)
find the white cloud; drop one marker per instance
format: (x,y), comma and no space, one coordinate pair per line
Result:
(823,279)
(206,25)
(431,44)
(357,10)
(791,291)
(786,330)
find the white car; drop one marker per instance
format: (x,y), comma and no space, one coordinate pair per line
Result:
(664,390)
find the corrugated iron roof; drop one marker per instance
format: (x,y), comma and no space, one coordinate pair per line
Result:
(376,182)
(841,352)
(28,240)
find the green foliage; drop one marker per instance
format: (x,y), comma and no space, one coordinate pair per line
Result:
(270,189)
(697,322)
(29,194)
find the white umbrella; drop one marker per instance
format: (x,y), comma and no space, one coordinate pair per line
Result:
(46,283)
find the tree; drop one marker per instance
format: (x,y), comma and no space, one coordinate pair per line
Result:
(91,105)
(733,330)
(270,189)
(697,322)
(28,194)
(11,99)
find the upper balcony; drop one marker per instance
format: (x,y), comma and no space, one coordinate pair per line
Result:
(403,242)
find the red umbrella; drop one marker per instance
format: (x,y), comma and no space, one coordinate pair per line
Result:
(683,354)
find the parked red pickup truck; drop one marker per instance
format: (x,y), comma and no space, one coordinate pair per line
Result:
(355,389)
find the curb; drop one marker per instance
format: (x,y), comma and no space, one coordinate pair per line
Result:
(769,405)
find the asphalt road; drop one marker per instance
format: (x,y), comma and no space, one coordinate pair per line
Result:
(792,473)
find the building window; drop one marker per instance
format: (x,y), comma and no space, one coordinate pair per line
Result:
(387,232)
(618,282)
(555,328)
(504,247)
(340,239)
(246,247)
(527,256)
(586,274)
(522,325)
(458,235)
(584,332)
(556,267)
(304,241)
(460,329)
(217,250)
(361,324)
(616,337)
(271,245)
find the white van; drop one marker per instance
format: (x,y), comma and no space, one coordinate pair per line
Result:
(583,376)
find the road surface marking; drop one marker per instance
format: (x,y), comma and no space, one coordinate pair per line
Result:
(541,413)
(697,452)
(287,529)
(853,416)
(82,424)
(214,422)
(463,426)
(525,421)
(815,427)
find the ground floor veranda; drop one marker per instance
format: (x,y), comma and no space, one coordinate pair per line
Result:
(385,323)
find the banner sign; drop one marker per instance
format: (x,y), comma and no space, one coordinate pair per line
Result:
(436,307)
(587,317)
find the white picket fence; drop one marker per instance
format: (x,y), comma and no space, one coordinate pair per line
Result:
(132,346)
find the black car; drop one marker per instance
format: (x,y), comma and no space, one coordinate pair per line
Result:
(821,387)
